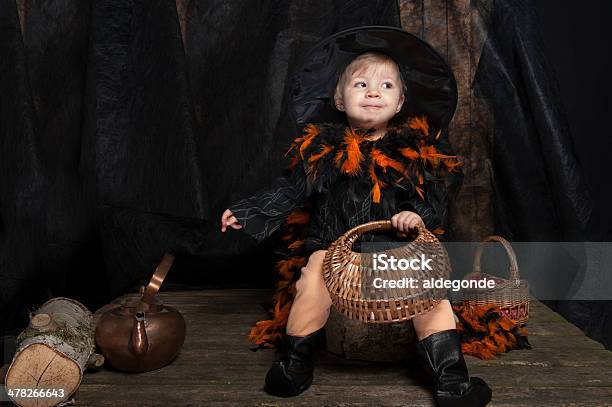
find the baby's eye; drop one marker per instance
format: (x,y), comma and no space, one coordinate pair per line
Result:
(387,85)
(360,84)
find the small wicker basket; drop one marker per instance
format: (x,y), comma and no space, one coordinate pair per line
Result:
(348,276)
(510,295)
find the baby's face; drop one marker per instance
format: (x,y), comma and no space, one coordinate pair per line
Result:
(371,96)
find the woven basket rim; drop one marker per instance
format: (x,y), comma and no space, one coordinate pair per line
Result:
(343,273)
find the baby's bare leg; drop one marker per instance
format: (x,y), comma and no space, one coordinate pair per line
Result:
(310,308)
(439,318)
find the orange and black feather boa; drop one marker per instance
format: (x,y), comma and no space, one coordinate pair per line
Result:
(484,332)
(406,156)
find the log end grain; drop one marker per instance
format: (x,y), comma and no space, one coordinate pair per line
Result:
(39,366)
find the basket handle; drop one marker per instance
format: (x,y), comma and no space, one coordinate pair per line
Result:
(377,225)
(514,273)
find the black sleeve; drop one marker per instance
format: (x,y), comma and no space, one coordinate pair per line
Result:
(264,212)
(433,216)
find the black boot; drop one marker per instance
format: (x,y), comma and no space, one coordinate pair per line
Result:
(441,352)
(292,373)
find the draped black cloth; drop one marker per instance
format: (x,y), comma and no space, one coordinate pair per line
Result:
(540,190)
(125,134)
(125,131)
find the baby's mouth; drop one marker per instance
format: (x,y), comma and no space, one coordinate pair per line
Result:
(372,107)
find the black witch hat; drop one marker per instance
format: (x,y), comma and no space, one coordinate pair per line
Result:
(431,87)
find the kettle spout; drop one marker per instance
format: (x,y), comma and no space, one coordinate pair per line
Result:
(139,340)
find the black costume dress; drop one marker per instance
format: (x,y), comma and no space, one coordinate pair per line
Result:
(351,180)
(346,180)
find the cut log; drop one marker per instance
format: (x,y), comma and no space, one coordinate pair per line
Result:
(52,354)
(355,340)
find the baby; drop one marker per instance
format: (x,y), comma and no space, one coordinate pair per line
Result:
(347,168)
(370,91)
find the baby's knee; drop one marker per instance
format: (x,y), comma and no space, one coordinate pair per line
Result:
(314,267)
(316,259)
(312,274)
(443,306)
(309,279)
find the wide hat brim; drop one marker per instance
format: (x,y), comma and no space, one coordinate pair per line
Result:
(431,87)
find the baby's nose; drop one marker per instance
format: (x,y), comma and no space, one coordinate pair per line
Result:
(373,93)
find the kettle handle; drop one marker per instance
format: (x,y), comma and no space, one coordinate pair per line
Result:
(161,271)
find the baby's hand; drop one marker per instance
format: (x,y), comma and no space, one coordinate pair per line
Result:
(406,220)
(228,219)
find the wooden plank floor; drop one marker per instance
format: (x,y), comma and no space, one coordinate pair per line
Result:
(217,368)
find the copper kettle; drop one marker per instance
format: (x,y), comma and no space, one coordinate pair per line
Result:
(141,334)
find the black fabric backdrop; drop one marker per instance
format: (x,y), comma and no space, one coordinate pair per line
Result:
(574,40)
(123,136)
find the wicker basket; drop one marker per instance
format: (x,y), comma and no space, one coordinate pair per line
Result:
(348,276)
(511,295)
